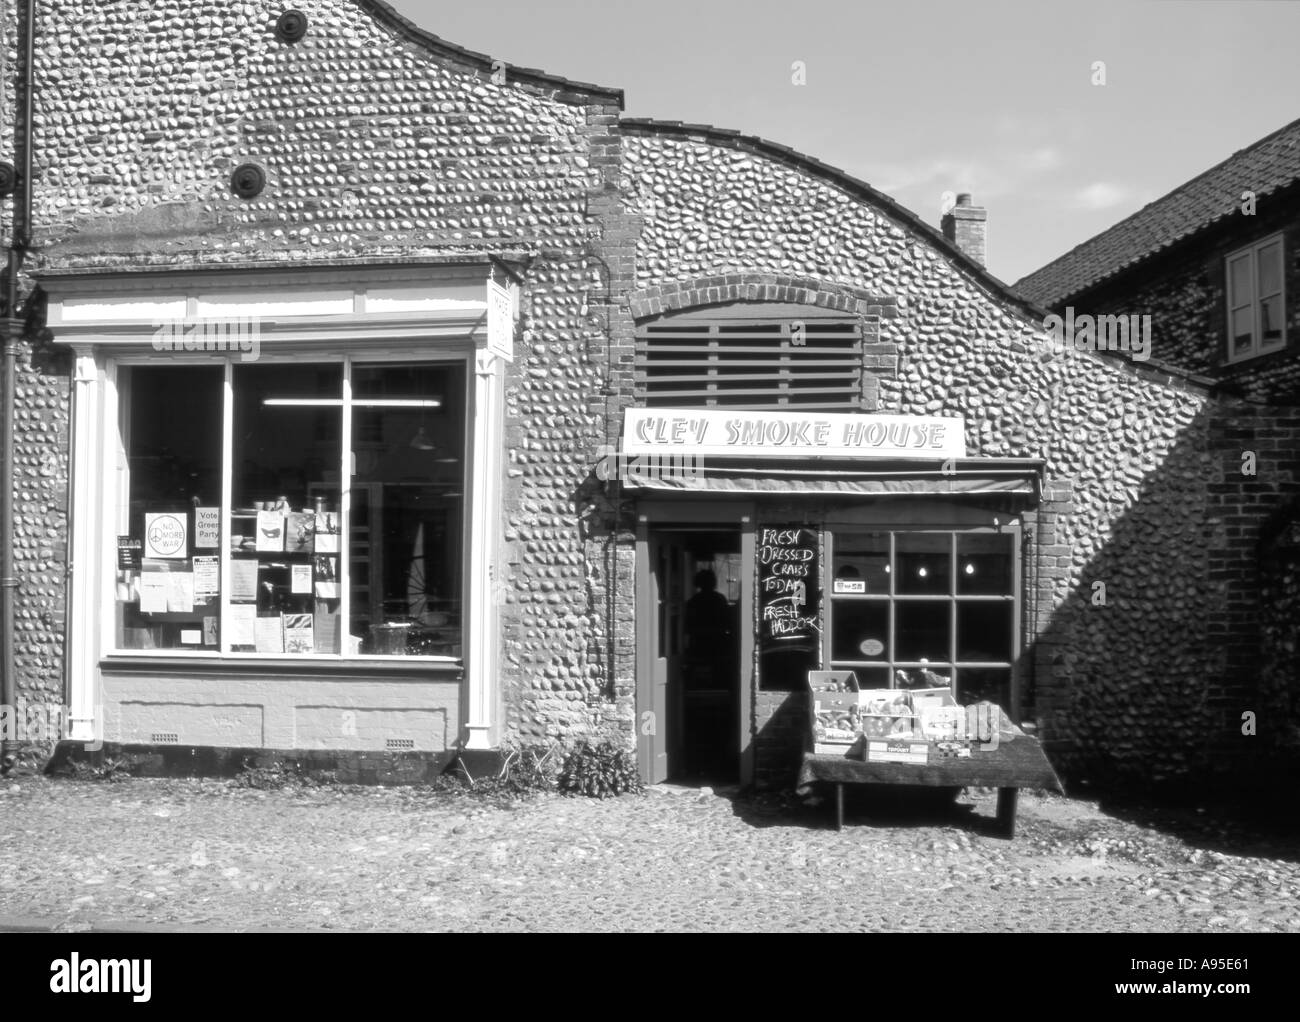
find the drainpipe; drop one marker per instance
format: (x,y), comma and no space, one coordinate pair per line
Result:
(12,330)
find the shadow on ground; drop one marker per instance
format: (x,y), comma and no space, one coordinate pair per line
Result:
(877,808)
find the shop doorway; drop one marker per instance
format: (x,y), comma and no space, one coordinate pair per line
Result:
(692,624)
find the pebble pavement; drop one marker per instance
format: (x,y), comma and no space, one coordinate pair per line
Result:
(208,854)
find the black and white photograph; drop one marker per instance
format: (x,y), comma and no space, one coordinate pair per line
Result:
(715,467)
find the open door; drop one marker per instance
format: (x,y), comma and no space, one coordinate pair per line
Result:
(659,720)
(688,693)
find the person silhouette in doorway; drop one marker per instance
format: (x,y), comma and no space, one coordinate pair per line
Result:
(708,619)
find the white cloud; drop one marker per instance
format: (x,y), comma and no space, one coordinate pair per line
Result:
(1101,195)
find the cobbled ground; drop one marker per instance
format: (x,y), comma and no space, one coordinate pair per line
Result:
(190,853)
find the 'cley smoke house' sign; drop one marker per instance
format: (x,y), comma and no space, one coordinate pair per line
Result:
(737,434)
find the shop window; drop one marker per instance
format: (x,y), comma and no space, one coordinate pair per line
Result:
(1256,300)
(238,536)
(751,357)
(914,609)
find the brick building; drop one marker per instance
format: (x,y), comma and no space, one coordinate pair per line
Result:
(1215,267)
(346,327)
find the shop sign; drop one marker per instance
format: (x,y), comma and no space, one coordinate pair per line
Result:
(737,434)
(787,583)
(501,322)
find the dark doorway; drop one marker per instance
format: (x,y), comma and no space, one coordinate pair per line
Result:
(698,586)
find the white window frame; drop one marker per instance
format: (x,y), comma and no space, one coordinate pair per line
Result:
(396,312)
(119,483)
(1255,300)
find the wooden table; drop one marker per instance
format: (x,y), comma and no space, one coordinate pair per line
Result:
(1017,762)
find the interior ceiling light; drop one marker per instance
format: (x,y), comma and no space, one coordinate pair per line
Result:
(357,402)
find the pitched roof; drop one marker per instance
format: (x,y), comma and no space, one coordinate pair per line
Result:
(1269,165)
(811,165)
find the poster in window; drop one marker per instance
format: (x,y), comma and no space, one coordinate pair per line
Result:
(153,592)
(207,527)
(327,532)
(180,592)
(298,529)
(298,633)
(270,531)
(165,535)
(129,552)
(207,579)
(268,634)
(241,624)
(243,580)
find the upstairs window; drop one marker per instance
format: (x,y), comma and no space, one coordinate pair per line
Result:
(1256,300)
(761,356)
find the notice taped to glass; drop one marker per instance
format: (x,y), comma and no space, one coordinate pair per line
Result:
(787,587)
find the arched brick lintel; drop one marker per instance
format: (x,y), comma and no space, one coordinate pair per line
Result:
(676,296)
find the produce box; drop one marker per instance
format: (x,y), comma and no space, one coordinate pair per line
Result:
(836,716)
(897,751)
(887,713)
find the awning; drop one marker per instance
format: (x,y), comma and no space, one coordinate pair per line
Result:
(837,476)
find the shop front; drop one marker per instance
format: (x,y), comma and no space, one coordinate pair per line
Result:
(284,495)
(772,544)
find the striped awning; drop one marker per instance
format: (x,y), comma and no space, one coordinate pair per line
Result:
(838,476)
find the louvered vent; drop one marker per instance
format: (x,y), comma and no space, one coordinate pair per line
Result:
(756,357)
(165,738)
(399,744)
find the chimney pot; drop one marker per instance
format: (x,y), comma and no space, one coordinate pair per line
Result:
(963,198)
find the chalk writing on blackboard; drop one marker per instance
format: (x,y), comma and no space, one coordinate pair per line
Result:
(787,584)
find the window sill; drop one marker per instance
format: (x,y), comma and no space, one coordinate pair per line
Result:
(165,661)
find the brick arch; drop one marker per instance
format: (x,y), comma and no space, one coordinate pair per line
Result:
(674,296)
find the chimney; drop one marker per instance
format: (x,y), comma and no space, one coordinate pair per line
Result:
(963,225)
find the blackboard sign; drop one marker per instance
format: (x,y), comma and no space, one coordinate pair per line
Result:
(787,588)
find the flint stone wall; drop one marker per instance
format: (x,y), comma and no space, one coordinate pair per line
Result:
(1131,690)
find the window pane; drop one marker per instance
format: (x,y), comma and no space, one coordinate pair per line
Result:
(873,677)
(1239,289)
(923,562)
(923,630)
(1270,269)
(407,539)
(991,683)
(861,564)
(984,631)
(1243,325)
(284,554)
(1270,322)
(171,431)
(923,677)
(984,564)
(860,629)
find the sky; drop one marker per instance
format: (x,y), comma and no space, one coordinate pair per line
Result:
(922,97)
